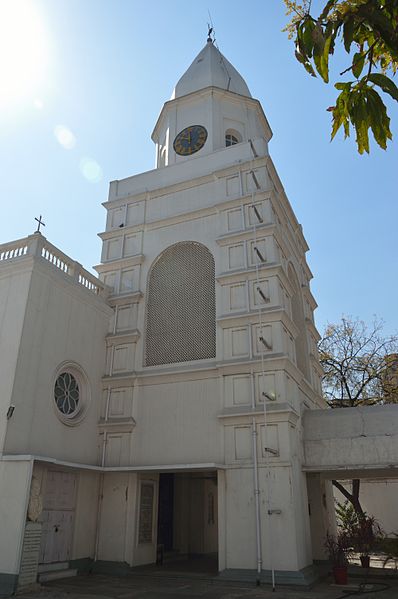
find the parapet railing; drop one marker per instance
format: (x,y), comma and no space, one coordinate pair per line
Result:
(37,245)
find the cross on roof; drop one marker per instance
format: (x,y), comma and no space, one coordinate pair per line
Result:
(40,223)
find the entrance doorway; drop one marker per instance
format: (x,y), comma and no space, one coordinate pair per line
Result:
(165,514)
(187,529)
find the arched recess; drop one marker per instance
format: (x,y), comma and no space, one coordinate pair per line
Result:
(299,321)
(181,306)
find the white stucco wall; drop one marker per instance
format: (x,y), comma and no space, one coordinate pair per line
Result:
(85,523)
(351,438)
(113,517)
(119,518)
(197,166)
(182,420)
(278,491)
(63,323)
(14,495)
(14,289)
(321,508)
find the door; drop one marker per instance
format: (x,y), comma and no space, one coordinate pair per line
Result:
(58,517)
(165,513)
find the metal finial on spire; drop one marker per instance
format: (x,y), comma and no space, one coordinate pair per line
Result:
(210,30)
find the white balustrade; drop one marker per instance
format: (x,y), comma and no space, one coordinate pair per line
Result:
(88,281)
(37,245)
(56,258)
(13,250)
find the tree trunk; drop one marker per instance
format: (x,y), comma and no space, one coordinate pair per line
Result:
(352,497)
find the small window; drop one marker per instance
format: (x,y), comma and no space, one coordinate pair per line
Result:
(230,140)
(232,137)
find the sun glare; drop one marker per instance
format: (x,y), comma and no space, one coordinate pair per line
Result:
(23,51)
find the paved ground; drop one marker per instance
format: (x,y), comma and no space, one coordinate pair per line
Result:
(138,586)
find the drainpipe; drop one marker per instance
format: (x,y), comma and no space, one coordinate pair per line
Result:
(101,485)
(256,486)
(100,493)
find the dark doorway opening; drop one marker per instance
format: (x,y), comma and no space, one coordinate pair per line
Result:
(187,527)
(166,508)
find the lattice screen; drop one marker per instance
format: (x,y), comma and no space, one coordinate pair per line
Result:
(181,308)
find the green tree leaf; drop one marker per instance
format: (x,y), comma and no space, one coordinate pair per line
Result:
(378,118)
(321,51)
(348,33)
(341,114)
(307,65)
(386,84)
(308,28)
(345,85)
(357,64)
(359,118)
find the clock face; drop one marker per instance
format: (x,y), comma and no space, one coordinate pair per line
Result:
(190,140)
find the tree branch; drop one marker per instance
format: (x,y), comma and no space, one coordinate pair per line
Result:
(342,490)
(357,61)
(353,497)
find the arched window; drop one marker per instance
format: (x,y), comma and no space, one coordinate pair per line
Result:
(230,140)
(298,319)
(181,306)
(232,137)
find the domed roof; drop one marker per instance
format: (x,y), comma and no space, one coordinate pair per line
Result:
(210,68)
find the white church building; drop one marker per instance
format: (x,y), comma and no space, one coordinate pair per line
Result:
(160,408)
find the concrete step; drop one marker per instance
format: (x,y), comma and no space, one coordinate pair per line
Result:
(174,556)
(57,574)
(55,566)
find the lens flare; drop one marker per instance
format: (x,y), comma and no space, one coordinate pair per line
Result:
(91,170)
(65,137)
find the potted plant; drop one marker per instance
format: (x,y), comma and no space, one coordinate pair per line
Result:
(363,538)
(362,531)
(338,548)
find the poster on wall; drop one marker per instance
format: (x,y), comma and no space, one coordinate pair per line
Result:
(146,513)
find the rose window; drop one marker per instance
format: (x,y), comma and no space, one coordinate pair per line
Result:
(66,393)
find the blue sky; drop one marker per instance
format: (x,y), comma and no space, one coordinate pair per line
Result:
(108,66)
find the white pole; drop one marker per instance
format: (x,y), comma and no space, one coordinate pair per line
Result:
(101,485)
(257,502)
(256,488)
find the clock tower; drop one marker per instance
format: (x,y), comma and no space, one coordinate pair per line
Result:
(210,104)
(212,350)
